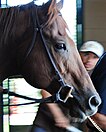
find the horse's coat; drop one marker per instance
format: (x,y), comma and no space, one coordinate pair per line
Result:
(17,55)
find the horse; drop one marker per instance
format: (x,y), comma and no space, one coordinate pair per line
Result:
(34,43)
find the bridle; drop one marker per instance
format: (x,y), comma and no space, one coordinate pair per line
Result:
(63,86)
(58,75)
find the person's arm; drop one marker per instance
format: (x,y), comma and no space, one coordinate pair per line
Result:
(100,119)
(60,119)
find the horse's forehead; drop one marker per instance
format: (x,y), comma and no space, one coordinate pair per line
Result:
(61,25)
(58,27)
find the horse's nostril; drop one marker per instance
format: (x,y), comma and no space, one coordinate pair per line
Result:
(94,101)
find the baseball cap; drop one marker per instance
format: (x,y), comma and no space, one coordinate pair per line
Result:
(92,46)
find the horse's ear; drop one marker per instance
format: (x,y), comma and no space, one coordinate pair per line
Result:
(51,6)
(60,4)
(47,7)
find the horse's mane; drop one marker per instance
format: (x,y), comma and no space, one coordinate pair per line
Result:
(52,14)
(8,17)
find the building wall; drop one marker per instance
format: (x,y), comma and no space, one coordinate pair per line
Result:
(94,18)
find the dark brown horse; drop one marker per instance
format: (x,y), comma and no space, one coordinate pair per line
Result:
(34,43)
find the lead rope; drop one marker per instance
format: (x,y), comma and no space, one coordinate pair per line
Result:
(94,123)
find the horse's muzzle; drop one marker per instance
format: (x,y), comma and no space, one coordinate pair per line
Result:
(94,102)
(68,92)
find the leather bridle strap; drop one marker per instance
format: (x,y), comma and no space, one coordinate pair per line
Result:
(50,99)
(58,75)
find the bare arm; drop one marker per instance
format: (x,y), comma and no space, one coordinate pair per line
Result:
(59,117)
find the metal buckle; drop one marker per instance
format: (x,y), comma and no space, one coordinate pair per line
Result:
(67,95)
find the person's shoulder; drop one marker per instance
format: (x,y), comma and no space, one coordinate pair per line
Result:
(98,75)
(100,66)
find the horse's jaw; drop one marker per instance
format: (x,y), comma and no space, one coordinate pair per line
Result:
(78,119)
(77,116)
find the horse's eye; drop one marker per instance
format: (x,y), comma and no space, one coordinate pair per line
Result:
(60,46)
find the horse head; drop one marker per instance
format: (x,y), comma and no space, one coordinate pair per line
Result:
(44,54)
(64,54)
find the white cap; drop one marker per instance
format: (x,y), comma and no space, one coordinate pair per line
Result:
(92,46)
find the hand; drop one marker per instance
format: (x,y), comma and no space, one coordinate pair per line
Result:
(62,121)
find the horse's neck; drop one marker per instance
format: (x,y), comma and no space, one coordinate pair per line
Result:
(6,69)
(7,64)
(8,46)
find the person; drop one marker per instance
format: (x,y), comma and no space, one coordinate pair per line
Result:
(94,60)
(99,80)
(50,115)
(90,53)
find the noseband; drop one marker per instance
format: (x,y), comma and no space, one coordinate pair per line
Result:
(65,91)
